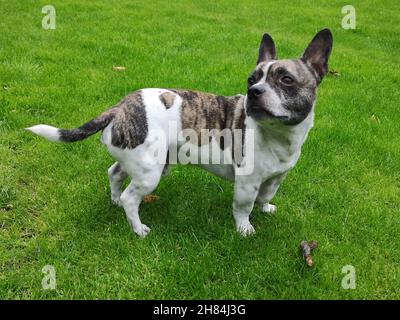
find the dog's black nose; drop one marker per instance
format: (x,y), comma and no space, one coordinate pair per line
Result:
(255,91)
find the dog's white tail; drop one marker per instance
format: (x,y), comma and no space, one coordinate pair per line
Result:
(45,131)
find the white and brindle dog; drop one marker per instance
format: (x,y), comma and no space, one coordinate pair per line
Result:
(278,109)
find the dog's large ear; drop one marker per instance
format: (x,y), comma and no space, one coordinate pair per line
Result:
(267,50)
(318,52)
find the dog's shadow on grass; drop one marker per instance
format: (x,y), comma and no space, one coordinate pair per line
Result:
(188,200)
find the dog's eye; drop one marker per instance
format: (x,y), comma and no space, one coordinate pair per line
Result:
(250,81)
(287,80)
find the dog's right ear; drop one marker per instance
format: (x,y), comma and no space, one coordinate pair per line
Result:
(267,51)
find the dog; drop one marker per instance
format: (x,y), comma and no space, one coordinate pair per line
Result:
(274,117)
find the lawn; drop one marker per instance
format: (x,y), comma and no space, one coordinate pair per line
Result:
(55,198)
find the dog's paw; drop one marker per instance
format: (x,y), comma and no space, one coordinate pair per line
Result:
(116,200)
(245,228)
(141,230)
(269,208)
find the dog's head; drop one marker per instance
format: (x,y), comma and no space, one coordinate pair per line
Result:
(285,90)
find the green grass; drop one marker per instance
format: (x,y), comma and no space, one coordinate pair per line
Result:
(344,192)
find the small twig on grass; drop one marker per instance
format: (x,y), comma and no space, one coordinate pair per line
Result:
(150,198)
(306,249)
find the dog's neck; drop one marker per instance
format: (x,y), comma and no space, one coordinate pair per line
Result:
(291,136)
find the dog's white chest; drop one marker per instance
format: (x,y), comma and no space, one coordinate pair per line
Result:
(275,159)
(276,150)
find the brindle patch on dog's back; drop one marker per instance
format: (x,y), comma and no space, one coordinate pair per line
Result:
(208,111)
(201,111)
(129,127)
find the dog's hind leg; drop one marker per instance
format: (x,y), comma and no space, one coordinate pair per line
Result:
(116,176)
(143,183)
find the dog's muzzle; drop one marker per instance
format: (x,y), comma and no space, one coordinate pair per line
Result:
(255,91)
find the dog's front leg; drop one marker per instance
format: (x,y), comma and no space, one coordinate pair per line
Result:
(245,195)
(267,191)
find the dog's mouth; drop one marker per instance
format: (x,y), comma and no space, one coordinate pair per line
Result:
(259,113)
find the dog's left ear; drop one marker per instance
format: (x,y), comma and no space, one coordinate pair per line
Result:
(267,50)
(318,52)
